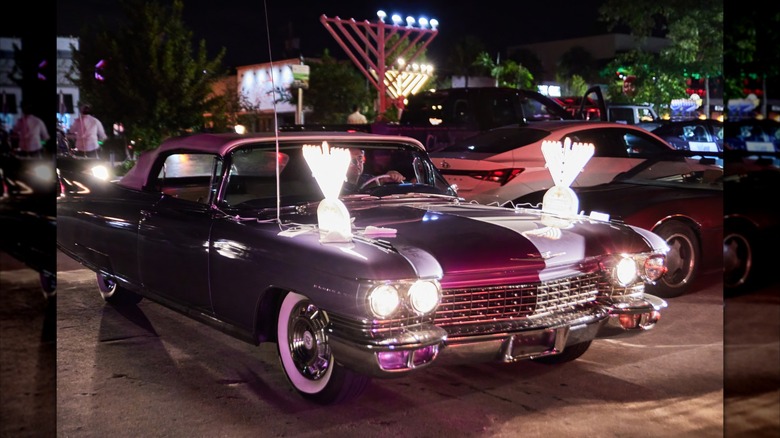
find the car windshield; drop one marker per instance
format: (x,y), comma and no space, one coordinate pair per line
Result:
(375,169)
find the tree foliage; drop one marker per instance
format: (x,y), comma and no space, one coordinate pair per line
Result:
(156,84)
(577,61)
(461,58)
(529,60)
(334,86)
(695,30)
(751,47)
(508,73)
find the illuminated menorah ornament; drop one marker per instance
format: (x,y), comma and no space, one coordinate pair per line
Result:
(565,161)
(329,167)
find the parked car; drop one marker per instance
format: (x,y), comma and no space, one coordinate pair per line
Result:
(28,215)
(699,135)
(751,223)
(232,230)
(589,110)
(679,203)
(752,135)
(503,164)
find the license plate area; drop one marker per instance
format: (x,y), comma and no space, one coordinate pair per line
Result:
(535,343)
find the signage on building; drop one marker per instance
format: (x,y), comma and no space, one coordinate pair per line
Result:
(300,76)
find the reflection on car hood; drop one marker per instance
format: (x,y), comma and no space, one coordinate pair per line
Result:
(493,243)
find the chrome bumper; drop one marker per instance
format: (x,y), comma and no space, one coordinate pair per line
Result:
(419,346)
(633,316)
(415,348)
(529,343)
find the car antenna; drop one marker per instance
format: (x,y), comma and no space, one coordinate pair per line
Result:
(276,119)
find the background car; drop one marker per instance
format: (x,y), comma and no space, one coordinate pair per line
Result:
(704,135)
(751,223)
(505,163)
(753,135)
(696,135)
(679,203)
(255,235)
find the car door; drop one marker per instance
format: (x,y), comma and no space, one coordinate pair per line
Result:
(173,242)
(617,149)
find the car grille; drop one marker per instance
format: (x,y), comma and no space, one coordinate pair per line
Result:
(492,309)
(512,302)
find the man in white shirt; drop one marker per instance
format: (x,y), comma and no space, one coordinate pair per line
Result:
(88,131)
(356,118)
(30,132)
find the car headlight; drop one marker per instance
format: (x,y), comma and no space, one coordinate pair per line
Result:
(384,300)
(424,296)
(100,171)
(654,267)
(625,271)
(390,299)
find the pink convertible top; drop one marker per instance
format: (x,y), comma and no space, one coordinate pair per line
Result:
(222,144)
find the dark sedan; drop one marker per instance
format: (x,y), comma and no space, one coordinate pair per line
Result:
(681,203)
(256,236)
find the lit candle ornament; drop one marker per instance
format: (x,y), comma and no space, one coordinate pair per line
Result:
(565,161)
(329,167)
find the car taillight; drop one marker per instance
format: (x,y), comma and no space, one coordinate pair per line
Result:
(501,176)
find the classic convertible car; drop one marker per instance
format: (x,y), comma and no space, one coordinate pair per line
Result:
(255,235)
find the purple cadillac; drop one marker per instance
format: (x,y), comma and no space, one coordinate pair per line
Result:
(233,231)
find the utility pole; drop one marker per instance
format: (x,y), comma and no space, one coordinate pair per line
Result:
(368,41)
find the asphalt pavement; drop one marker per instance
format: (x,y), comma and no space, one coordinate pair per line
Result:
(148,371)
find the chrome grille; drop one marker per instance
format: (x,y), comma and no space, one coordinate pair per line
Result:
(512,302)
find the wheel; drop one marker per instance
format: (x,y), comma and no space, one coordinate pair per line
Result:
(306,357)
(113,293)
(738,258)
(374,180)
(48,284)
(682,260)
(568,354)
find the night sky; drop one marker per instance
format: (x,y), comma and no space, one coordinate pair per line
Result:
(240,25)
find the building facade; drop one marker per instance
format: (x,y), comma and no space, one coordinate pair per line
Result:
(10,92)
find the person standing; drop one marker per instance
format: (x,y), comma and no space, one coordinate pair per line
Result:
(88,131)
(30,133)
(356,117)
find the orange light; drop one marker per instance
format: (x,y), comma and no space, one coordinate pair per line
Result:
(629,321)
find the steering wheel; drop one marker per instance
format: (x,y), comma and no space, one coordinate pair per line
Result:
(374,180)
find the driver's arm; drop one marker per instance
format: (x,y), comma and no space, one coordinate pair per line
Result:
(395,176)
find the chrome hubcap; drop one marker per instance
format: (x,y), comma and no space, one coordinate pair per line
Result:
(308,344)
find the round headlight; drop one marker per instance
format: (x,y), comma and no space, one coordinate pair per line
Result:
(100,171)
(625,271)
(44,172)
(654,267)
(384,300)
(424,296)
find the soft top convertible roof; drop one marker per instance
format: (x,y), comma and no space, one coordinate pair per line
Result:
(222,144)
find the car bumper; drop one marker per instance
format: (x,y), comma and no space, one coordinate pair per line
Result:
(519,340)
(393,355)
(632,316)
(420,345)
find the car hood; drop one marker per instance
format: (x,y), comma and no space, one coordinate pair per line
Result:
(482,244)
(636,197)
